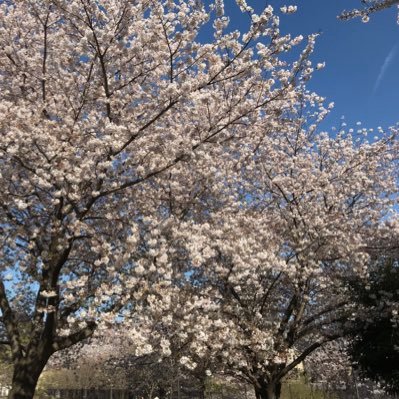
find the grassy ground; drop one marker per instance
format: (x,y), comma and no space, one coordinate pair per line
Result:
(300,390)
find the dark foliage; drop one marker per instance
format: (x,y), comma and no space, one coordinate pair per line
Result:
(375,338)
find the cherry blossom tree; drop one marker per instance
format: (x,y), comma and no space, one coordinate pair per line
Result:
(307,221)
(118,123)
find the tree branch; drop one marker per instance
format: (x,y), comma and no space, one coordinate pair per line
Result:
(304,354)
(66,342)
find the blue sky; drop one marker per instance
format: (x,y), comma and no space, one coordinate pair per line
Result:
(362,60)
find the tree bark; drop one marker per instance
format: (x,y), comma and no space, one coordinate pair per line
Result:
(25,377)
(162,393)
(202,389)
(271,390)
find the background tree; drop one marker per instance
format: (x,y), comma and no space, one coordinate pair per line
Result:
(330,367)
(375,340)
(279,265)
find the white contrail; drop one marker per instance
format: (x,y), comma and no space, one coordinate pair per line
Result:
(388,59)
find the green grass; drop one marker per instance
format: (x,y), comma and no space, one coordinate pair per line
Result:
(301,390)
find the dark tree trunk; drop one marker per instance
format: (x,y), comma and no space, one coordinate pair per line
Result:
(202,389)
(264,390)
(25,377)
(28,367)
(162,393)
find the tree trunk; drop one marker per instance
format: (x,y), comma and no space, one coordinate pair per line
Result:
(266,390)
(203,392)
(25,377)
(162,393)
